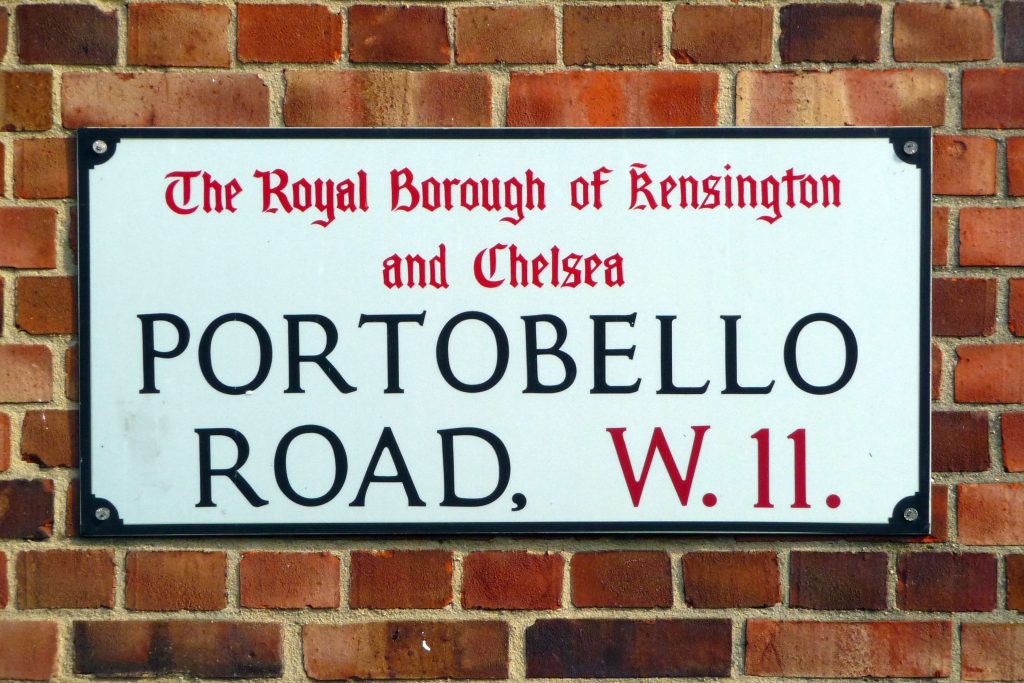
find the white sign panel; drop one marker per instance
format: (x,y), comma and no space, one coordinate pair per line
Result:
(336,331)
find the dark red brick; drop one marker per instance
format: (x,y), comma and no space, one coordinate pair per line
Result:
(512,35)
(388,579)
(192,648)
(71,373)
(288,33)
(936,371)
(1013,31)
(71,511)
(62,579)
(50,438)
(940,235)
(405,650)
(289,580)
(621,579)
(830,33)
(993,98)
(721,34)
(512,580)
(963,307)
(946,582)
(46,305)
(4,21)
(1015,582)
(731,579)
(26,509)
(622,648)
(1012,424)
(834,581)
(1015,166)
(398,34)
(959,441)
(66,34)
(4,596)
(26,100)
(5,440)
(611,34)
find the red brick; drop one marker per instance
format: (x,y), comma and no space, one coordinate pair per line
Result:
(73,233)
(721,34)
(288,33)
(959,441)
(993,98)
(830,33)
(71,373)
(28,237)
(3,581)
(1013,441)
(1015,582)
(1013,31)
(838,580)
(398,34)
(58,579)
(5,441)
(940,514)
(848,97)
(611,34)
(512,35)
(25,100)
(25,374)
(26,509)
(178,34)
(28,650)
(207,649)
(289,580)
(4,20)
(940,235)
(731,579)
(907,649)
(621,579)
(613,98)
(622,648)
(936,32)
(991,373)
(1015,166)
(992,652)
(164,99)
(175,580)
(990,514)
(71,511)
(512,580)
(50,438)
(66,34)
(406,650)
(387,98)
(963,307)
(46,305)
(44,168)
(388,579)
(946,582)
(964,165)
(936,371)
(991,236)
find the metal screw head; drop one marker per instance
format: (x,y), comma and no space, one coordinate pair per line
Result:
(103,514)
(910,147)
(100,147)
(911,514)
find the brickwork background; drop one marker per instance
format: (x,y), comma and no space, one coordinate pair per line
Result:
(948,606)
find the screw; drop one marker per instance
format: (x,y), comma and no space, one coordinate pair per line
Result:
(103,514)
(910,514)
(910,147)
(100,147)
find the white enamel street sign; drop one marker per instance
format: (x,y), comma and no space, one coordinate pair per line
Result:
(566,331)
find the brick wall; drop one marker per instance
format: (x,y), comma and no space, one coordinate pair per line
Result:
(948,606)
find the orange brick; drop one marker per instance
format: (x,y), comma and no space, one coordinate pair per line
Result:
(50,438)
(964,165)
(905,649)
(175,580)
(387,98)
(44,168)
(611,34)
(46,305)
(936,32)
(1015,165)
(25,100)
(847,97)
(721,34)
(28,650)
(178,34)
(28,237)
(164,99)
(991,373)
(992,652)
(990,514)
(830,33)
(25,372)
(621,579)
(398,34)
(731,579)
(940,235)
(288,33)
(512,580)
(613,98)
(289,580)
(5,441)
(388,579)
(1012,425)
(991,236)
(60,579)
(513,35)
(993,98)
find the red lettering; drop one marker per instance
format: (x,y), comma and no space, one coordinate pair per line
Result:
(660,445)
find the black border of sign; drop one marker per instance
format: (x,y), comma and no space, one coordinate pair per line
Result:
(911,515)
